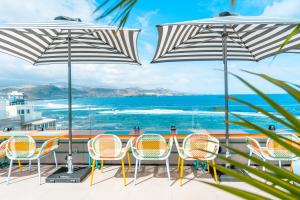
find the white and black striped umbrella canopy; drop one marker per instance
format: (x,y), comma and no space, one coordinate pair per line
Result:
(248,38)
(69,41)
(47,43)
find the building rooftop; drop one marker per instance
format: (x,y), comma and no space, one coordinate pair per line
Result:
(40,121)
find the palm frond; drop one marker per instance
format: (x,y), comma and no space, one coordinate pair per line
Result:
(285,113)
(256,183)
(289,89)
(232,2)
(121,9)
(266,113)
(294,32)
(270,177)
(282,173)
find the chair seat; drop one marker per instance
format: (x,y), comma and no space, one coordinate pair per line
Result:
(186,157)
(120,156)
(281,156)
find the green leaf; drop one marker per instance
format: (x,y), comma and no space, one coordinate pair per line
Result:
(238,192)
(262,186)
(270,134)
(265,175)
(278,138)
(268,114)
(232,2)
(101,6)
(289,89)
(288,116)
(289,37)
(281,172)
(123,6)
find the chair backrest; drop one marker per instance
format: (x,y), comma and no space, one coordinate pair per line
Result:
(20,147)
(151,145)
(200,146)
(49,146)
(2,149)
(254,145)
(277,150)
(107,145)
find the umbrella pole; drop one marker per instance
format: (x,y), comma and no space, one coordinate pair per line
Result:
(224,45)
(69,162)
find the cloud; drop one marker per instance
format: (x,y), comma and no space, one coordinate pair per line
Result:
(283,8)
(143,21)
(193,77)
(37,10)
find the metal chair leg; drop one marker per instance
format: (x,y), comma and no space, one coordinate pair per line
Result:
(207,162)
(39,170)
(9,171)
(29,167)
(279,163)
(215,172)
(102,165)
(93,171)
(136,169)
(55,159)
(249,161)
(123,172)
(168,170)
(20,166)
(181,171)
(291,167)
(140,164)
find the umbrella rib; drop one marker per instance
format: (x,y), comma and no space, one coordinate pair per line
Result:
(113,49)
(241,43)
(178,46)
(47,48)
(199,32)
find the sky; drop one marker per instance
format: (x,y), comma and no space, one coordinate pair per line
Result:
(189,77)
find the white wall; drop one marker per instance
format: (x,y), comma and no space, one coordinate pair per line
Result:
(2,109)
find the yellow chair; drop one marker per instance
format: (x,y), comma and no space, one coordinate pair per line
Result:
(198,147)
(280,153)
(273,151)
(108,147)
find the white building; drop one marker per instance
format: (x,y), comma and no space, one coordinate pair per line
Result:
(15,107)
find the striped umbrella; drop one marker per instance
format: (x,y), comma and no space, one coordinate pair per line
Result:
(225,37)
(67,40)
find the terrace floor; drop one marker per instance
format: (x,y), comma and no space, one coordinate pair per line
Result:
(152,184)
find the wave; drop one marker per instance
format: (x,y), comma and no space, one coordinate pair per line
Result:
(175,112)
(75,107)
(50,106)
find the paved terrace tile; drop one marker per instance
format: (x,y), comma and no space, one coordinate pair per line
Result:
(152,184)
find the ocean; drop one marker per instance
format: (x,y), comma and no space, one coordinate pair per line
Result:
(159,113)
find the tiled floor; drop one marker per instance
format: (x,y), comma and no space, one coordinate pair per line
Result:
(152,184)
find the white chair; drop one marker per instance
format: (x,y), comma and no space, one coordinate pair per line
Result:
(151,147)
(273,151)
(198,147)
(24,148)
(108,147)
